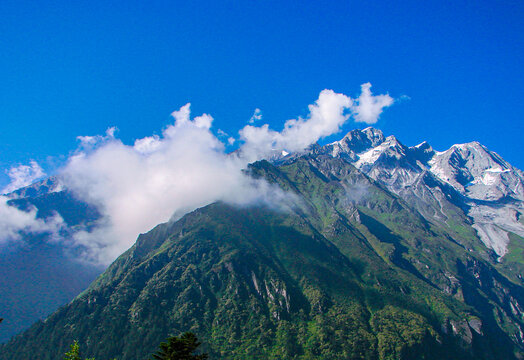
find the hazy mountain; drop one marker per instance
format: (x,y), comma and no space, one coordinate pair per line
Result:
(38,274)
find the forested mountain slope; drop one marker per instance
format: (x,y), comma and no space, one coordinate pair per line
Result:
(345,268)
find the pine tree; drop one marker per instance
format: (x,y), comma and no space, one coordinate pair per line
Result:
(179,348)
(74,352)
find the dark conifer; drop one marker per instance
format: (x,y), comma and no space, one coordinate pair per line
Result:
(179,348)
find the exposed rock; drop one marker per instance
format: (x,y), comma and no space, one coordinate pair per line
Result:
(465,180)
(476,325)
(462,330)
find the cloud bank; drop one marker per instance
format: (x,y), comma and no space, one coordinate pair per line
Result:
(158,177)
(14,221)
(162,177)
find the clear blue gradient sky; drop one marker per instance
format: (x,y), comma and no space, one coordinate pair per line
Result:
(70,68)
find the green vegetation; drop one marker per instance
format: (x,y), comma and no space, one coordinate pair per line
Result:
(74,352)
(515,252)
(512,264)
(179,348)
(175,348)
(350,272)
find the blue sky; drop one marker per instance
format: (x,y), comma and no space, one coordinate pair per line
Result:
(77,68)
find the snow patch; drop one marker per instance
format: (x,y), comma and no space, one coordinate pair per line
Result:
(369,157)
(489,179)
(497,170)
(438,171)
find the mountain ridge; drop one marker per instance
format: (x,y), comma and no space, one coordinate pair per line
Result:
(479,176)
(390,243)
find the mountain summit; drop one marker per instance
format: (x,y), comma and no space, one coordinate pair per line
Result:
(468,176)
(381,251)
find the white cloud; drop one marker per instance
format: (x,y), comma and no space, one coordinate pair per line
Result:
(147,145)
(136,187)
(367,108)
(161,177)
(403,98)
(88,142)
(257,115)
(225,136)
(23,175)
(326,116)
(14,222)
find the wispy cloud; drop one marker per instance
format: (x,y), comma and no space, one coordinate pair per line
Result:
(403,98)
(23,175)
(88,142)
(224,136)
(257,115)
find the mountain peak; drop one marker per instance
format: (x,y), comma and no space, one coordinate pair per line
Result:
(357,141)
(422,152)
(423,146)
(376,136)
(472,145)
(391,140)
(479,173)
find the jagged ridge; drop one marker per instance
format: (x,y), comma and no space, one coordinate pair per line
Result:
(351,271)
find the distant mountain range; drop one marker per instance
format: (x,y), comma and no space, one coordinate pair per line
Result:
(383,251)
(485,187)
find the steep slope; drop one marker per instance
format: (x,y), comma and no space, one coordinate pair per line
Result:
(350,270)
(494,190)
(462,188)
(452,261)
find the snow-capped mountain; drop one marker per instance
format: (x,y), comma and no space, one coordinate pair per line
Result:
(379,235)
(467,176)
(477,172)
